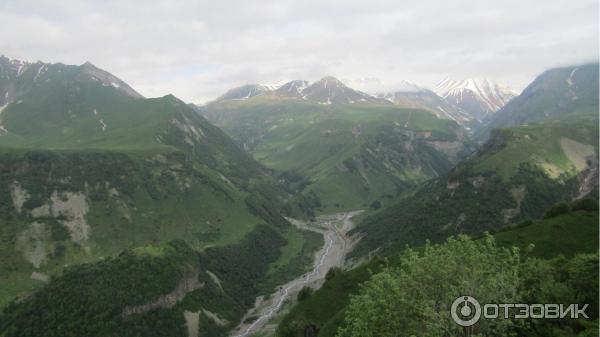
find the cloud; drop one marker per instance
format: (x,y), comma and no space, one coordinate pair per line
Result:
(199,49)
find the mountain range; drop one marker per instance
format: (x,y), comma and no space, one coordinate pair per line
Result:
(543,148)
(468,102)
(478,98)
(412,96)
(90,168)
(327,90)
(132,216)
(342,144)
(557,95)
(338,145)
(533,185)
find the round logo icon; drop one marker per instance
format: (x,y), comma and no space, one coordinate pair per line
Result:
(466,311)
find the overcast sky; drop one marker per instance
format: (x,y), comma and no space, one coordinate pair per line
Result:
(196,50)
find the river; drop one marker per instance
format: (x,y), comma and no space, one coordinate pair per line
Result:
(334,228)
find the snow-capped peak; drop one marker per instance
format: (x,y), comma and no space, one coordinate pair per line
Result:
(13,67)
(272,86)
(292,88)
(490,95)
(330,90)
(107,79)
(244,92)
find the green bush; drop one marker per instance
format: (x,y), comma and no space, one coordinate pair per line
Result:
(585,204)
(415,299)
(557,209)
(305,293)
(332,272)
(375,205)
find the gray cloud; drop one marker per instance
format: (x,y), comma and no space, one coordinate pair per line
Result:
(198,49)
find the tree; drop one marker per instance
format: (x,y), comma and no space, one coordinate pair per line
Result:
(415,299)
(304,293)
(332,272)
(562,281)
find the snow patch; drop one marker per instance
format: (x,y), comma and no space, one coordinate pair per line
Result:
(570,79)
(21,67)
(41,70)
(3,129)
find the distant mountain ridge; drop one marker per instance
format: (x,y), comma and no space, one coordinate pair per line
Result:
(542,148)
(467,102)
(518,174)
(476,96)
(328,90)
(292,89)
(560,94)
(91,168)
(341,146)
(412,96)
(18,77)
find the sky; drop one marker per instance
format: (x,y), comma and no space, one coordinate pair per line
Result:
(197,50)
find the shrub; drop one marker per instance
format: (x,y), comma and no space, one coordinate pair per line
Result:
(415,298)
(556,210)
(304,293)
(585,205)
(375,204)
(332,272)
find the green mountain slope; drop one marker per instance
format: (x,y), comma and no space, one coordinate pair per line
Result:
(557,95)
(347,155)
(567,234)
(159,290)
(87,168)
(516,175)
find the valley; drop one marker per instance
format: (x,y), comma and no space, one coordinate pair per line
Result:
(299,168)
(78,191)
(132,216)
(345,156)
(334,228)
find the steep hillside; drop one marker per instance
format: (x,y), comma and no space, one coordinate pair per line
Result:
(566,234)
(89,168)
(516,175)
(19,77)
(156,290)
(292,89)
(557,95)
(347,155)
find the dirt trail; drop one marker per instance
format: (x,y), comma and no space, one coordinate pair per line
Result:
(334,228)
